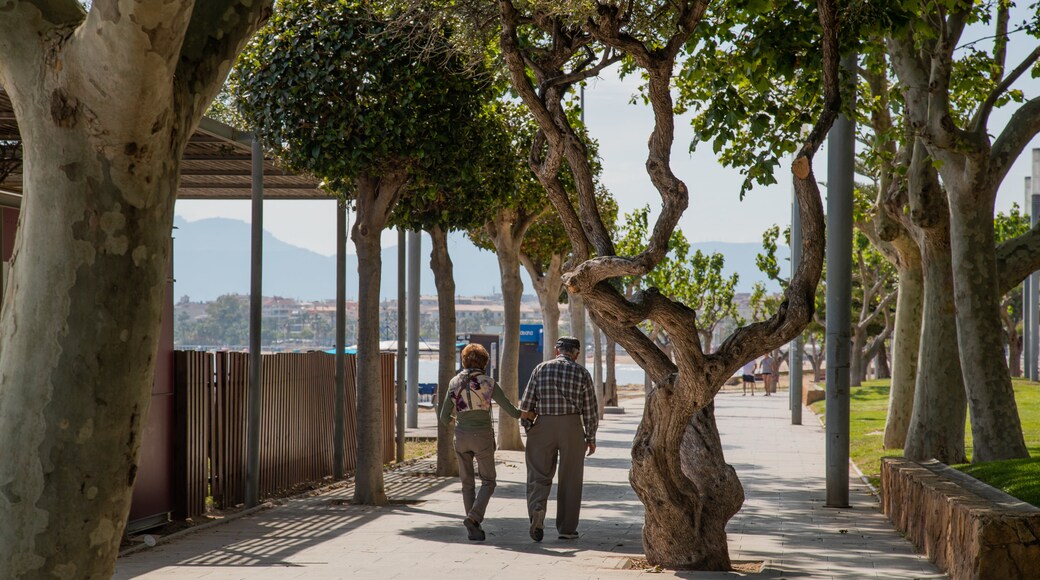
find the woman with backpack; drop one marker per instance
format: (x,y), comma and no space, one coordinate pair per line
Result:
(469,399)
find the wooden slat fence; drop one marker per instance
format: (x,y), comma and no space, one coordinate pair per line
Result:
(296,428)
(193,383)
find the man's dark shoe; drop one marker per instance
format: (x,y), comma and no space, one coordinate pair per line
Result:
(571,536)
(537,522)
(475,533)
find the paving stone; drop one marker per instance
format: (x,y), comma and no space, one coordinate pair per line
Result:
(783,522)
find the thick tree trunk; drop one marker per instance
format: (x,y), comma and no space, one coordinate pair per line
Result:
(547,286)
(79,330)
(611,373)
(937,421)
(906,343)
(375,199)
(104,107)
(882,370)
(507,249)
(995,425)
(687,488)
(440,263)
(857,364)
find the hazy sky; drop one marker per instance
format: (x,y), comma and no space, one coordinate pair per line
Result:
(715,213)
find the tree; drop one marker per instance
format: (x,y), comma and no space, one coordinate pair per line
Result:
(543,252)
(519,203)
(1008,227)
(948,103)
(697,281)
(337,92)
(873,293)
(678,469)
(106,99)
(452,199)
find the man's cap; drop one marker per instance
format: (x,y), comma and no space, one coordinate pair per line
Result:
(568,343)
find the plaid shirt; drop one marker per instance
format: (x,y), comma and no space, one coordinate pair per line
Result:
(563,387)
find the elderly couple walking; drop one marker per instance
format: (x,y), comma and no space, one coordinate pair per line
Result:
(559,404)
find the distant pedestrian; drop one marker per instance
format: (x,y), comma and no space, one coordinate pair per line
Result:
(469,398)
(767,373)
(749,377)
(560,391)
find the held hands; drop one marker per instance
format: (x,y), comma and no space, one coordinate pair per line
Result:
(528,415)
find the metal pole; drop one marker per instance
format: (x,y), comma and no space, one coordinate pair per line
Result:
(1027,315)
(795,355)
(1033,302)
(338,442)
(840,163)
(401,281)
(414,249)
(1034,298)
(255,305)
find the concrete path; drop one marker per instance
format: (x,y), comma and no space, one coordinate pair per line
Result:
(783,525)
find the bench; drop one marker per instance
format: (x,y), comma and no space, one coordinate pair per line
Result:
(966,528)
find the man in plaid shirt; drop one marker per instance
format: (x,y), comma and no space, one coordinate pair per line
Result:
(560,392)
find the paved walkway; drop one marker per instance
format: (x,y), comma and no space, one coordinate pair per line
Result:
(782,525)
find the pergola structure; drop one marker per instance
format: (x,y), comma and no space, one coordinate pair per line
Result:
(221,163)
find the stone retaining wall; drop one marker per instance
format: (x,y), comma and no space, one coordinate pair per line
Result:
(965,527)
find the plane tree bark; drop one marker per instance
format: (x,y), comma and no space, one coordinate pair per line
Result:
(506,231)
(972,166)
(105,101)
(548,284)
(678,468)
(443,276)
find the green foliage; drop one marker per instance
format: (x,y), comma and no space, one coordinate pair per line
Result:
(513,186)
(630,240)
(694,279)
(461,194)
(335,92)
(751,81)
(1010,225)
(867,423)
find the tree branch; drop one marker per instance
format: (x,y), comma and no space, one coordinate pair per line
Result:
(547,170)
(881,307)
(25,27)
(1017,258)
(620,318)
(981,118)
(216,34)
(1020,130)
(798,306)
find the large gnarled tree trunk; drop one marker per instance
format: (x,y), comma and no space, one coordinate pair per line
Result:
(440,263)
(105,106)
(678,468)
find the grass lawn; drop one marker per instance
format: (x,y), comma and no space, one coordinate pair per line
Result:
(869,404)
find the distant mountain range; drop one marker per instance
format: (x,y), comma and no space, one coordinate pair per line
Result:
(211,258)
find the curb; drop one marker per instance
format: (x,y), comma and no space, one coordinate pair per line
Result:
(198,528)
